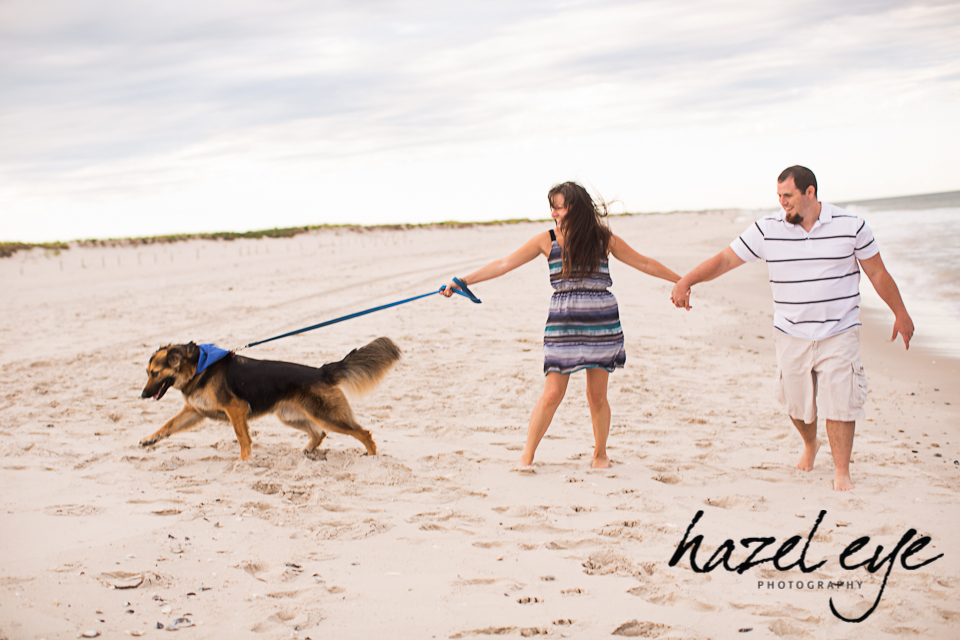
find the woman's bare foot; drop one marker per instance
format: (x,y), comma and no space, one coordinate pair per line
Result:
(809,455)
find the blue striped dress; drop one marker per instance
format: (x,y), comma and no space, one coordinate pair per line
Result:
(583,326)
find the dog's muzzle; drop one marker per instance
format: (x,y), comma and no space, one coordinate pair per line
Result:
(147,393)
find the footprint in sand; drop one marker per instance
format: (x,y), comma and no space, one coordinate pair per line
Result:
(266,488)
(281,617)
(637,629)
(297,495)
(72,510)
(255,569)
(729,502)
(488,631)
(606,562)
(782,627)
(779,611)
(445,520)
(623,529)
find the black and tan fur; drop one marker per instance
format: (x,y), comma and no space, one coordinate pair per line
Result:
(237,389)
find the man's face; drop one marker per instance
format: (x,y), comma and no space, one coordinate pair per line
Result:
(797,205)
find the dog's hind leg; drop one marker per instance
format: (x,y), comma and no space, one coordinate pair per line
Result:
(237,411)
(351,428)
(187,418)
(307,426)
(332,412)
(315,439)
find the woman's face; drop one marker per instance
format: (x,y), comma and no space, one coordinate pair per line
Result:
(558,208)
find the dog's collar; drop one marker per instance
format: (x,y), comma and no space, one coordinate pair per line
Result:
(209,353)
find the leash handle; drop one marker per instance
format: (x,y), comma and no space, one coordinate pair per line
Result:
(463,290)
(466,292)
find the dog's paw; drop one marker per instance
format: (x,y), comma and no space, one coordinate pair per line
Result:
(146,442)
(316,455)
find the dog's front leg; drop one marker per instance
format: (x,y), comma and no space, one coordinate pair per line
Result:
(237,411)
(187,417)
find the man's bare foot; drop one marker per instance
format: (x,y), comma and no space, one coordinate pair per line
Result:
(809,455)
(842,483)
(600,463)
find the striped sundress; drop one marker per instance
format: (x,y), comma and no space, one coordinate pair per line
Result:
(583,326)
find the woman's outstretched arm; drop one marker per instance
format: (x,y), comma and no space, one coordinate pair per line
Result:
(538,244)
(625,254)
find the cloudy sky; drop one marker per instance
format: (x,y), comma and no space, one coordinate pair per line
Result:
(127,118)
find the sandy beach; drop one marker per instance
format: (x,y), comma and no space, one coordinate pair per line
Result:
(437,536)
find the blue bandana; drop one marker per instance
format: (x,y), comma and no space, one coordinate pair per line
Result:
(209,353)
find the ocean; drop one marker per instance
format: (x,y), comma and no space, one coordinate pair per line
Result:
(919,238)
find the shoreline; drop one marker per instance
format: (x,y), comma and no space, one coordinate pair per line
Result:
(295,546)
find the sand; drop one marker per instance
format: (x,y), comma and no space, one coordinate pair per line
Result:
(437,537)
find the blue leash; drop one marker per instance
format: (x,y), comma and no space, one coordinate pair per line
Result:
(463,291)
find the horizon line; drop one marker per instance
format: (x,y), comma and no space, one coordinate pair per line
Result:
(9,248)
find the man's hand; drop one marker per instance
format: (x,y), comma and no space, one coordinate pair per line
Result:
(883,282)
(680,296)
(903,325)
(707,270)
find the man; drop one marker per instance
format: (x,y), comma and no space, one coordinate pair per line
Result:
(813,250)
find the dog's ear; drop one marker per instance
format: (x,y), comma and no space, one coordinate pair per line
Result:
(174,357)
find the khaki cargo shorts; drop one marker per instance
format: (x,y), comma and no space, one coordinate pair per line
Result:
(827,373)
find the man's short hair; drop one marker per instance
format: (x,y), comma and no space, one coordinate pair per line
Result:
(802,177)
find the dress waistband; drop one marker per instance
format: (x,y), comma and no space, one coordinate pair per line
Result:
(580,291)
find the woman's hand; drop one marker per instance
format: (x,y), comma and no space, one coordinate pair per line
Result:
(680,297)
(448,291)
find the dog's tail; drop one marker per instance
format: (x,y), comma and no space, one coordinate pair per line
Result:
(362,369)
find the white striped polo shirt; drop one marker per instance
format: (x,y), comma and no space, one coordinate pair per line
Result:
(814,276)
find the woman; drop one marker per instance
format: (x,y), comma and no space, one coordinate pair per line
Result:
(583,326)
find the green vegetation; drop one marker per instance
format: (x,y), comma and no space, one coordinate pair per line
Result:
(7,249)
(229,236)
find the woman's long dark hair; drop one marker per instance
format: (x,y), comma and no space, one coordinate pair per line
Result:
(586,235)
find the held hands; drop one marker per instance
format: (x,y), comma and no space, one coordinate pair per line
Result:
(680,296)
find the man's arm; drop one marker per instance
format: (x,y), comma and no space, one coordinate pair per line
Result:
(707,270)
(884,284)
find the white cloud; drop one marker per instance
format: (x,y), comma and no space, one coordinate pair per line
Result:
(125,118)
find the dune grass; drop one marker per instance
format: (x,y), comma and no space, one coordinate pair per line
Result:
(7,249)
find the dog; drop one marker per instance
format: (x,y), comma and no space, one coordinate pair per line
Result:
(237,389)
